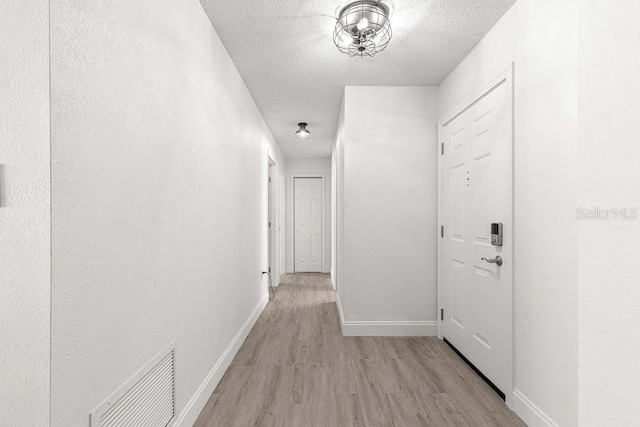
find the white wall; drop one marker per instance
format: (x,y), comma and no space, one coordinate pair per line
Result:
(24,213)
(576,145)
(334,207)
(337,159)
(308,166)
(159,167)
(388,285)
(335,213)
(541,38)
(278,223)
(609,176)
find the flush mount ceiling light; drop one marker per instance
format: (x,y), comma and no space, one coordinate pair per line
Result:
(303,132)
(363,28)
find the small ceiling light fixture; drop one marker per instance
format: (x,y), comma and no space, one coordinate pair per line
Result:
(303,132)
(363,28)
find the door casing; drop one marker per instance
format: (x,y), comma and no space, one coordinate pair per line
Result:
(322,218)
(280,226)
(507,75)
(272,206)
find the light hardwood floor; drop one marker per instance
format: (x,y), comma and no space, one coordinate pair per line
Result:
(296,369)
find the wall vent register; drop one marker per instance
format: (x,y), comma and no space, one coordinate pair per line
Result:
(146,400)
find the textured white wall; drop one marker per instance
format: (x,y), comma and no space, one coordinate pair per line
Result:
(576,103)
(159,166)
(390,197)
(334,201)
(24,213)
(308,166)
(541,38)
(609,176)
(339,203)
(333,248)
(278,185)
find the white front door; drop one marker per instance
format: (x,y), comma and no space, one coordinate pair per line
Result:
(308,224)
(476,191)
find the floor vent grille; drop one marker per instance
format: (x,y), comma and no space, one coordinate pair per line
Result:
(146,400)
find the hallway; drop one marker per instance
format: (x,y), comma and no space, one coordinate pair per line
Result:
(296,369)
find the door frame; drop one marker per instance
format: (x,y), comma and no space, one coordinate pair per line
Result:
(293,217)
(272,207)
(506,76)
(281,225)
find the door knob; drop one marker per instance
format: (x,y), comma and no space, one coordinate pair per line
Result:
(497,260)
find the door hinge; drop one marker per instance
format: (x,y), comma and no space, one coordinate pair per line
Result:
(442,231)
(269,179)
(442,314)
(269,269)
(442,148)
(269,224)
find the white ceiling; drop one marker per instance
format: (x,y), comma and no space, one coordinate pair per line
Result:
(284,51)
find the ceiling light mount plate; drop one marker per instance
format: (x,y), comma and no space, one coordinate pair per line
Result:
(363,28)
(384,4)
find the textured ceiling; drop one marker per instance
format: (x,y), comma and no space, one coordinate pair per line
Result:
(284,51)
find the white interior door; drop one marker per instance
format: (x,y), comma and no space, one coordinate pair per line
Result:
(476,191)
(270,222)
(308,224)
(281,193)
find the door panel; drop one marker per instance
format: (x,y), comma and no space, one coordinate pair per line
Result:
(458,293)
(315,224)
(481,170)
(475,191)
(301,218)
(459,189)
(481,305)
(281,224)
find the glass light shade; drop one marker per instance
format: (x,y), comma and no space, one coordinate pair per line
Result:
(303,132)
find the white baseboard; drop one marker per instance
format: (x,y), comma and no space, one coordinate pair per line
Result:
(529,412)
(190,413)
(376,328)
(390,329)
(340,312)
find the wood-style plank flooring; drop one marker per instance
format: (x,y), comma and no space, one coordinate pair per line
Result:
(296,369)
